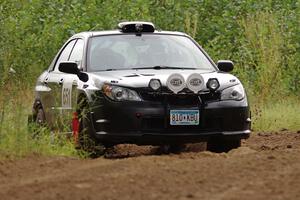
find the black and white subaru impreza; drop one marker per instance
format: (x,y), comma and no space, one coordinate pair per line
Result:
(142,86)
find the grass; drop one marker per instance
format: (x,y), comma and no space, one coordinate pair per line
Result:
(265,40)
(277,115)
(15,137)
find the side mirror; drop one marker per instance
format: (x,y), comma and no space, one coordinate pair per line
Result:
(225,65)
(72,68)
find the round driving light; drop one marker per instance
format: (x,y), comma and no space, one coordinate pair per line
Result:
(213,84)
(195,83)
(176,83)
(154,84)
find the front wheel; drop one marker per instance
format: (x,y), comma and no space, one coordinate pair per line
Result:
(221,145)
(173,148)
(86,139)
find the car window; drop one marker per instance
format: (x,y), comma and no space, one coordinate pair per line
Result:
(77,52)
(148,50)
(65,54)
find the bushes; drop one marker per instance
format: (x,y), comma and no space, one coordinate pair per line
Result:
(262,38)
(266,40)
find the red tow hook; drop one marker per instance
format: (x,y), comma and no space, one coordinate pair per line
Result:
(75,127)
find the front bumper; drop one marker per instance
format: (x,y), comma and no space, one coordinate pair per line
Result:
(161,138)
(148,122)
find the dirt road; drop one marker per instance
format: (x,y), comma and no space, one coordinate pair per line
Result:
(267,166)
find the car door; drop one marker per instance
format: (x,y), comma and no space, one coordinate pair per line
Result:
(53,80)
(68,86)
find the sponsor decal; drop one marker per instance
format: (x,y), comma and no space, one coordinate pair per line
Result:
(195,82)
(66,96)
(176,82)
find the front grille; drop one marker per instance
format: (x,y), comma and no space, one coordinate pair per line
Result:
(183,100)
(185,97)
(211,96)
(172,99)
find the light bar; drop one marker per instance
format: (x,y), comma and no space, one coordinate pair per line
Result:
(136,27)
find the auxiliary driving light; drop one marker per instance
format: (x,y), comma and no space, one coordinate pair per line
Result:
(176,83)
(213,84)
(155,84)
(195,83)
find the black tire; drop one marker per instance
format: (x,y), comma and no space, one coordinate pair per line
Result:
(40,117)
(36,122)
(219,145)
(173,148)
(86,137)
(163,149)
(177,148)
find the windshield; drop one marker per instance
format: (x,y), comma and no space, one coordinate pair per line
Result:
(117,52)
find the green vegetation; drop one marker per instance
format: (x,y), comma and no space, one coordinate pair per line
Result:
(276,116)
(15,138)
(261,37)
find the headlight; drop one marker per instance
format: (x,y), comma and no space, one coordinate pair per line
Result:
(119,93)
(212,84)
(236,92)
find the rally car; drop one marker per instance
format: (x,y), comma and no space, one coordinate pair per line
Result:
(143,86)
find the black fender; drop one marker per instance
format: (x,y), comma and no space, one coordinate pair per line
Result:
(82,97)
(82,101)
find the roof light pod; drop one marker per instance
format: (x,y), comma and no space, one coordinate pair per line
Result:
(136,27)
(155,84)
(195,83)
(213,84)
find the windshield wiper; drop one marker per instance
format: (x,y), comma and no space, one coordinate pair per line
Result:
(114,69)
(163,67)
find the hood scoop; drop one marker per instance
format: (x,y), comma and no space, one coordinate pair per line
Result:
(137,75)
(132,75)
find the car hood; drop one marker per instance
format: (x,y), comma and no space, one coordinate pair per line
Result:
(141,77)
